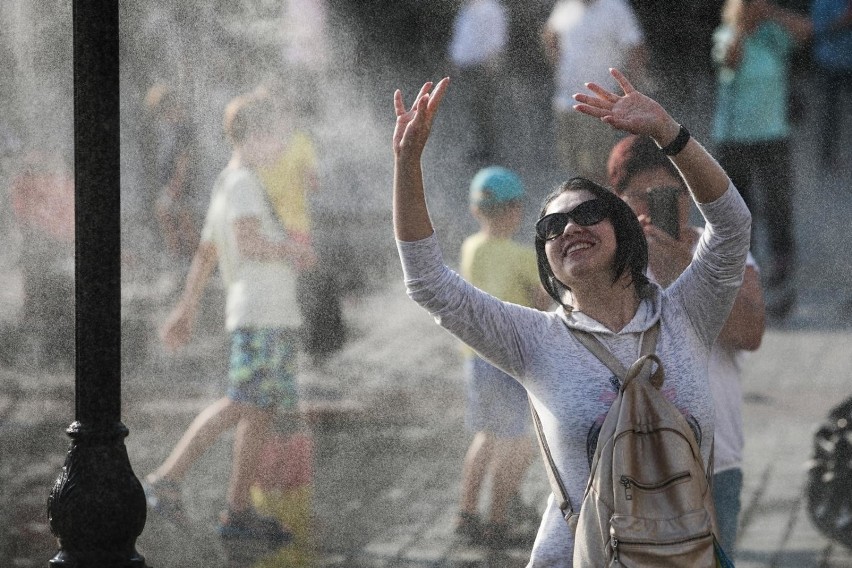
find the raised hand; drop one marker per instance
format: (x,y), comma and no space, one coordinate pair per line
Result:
(631,112)
(414,125)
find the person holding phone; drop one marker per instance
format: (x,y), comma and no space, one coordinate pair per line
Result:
(592,257)
(648,182)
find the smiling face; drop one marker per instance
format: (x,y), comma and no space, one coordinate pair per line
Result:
(580,254)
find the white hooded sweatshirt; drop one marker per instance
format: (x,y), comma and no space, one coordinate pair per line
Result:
(571,390)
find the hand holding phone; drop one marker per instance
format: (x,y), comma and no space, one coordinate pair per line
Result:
(663,209)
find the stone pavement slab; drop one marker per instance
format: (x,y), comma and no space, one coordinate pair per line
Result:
(789,387)
(386,473)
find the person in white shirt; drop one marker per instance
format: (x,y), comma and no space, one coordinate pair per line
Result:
(636,168)
(258,263)
(477,48)
(582,40)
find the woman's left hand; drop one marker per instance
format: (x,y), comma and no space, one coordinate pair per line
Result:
(631,112)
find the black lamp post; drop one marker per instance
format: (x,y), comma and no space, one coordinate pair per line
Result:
(97,506)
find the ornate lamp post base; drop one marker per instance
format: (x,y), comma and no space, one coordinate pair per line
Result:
(97,505)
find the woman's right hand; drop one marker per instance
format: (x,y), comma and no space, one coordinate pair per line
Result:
(414,125)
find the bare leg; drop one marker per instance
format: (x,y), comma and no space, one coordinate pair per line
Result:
(252,430)
(202,432)
(474,469)
(512,457)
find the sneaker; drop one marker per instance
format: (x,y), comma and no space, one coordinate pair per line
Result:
(469,528)
(251,525)
(164,498)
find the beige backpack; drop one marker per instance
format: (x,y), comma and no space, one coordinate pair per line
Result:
(648,502)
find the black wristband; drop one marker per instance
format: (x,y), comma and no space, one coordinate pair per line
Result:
(674,147)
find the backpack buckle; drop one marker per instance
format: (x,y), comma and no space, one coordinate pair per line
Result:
(572,518)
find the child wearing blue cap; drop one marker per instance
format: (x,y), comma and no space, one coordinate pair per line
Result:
(497,410)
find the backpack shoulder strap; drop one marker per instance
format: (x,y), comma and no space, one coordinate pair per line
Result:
(593,344)
(556,485)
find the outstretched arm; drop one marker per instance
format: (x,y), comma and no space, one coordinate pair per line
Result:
(745,326)
(410,215)
(636,113)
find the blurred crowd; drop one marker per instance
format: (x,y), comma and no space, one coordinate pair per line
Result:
(181,65)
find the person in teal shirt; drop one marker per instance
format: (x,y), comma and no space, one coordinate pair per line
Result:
(832,53)
(751,50)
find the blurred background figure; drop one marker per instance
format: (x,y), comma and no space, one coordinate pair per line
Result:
(42,203)
(305,53)
(477,49)
(290,181)
(639,173)
(258,261)
(172,153)
(583,39)
(497,410)
(832,52)
(284,488)
(751,129)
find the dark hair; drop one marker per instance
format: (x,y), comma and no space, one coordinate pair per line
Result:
(634,155)
(631,248)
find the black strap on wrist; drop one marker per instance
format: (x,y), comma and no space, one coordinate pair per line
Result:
(674,147)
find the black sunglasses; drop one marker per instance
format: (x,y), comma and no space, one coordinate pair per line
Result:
(586,214)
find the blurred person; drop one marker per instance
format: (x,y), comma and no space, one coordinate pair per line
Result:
(832,51)
(258,263)
(289,182)
(11,149)
(582,40)
(171,149)
(751,129)
(592,256)
(497,410)
(41,196)
(636,168)
(306,53)
(477,50)
(284,489)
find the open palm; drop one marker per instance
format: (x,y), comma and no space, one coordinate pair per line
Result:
(631,112)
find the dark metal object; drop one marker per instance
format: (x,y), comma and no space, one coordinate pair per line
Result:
(97,506)
(829,484)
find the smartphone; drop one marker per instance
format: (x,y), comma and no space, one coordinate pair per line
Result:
(663,208)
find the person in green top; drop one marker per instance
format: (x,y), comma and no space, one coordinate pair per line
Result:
(497,411)
(751,129)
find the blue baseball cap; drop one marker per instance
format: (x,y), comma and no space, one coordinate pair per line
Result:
(495,185)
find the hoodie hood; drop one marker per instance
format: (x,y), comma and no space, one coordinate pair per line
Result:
(646,315)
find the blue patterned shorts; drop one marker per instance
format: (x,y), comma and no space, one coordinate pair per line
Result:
(263,368)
